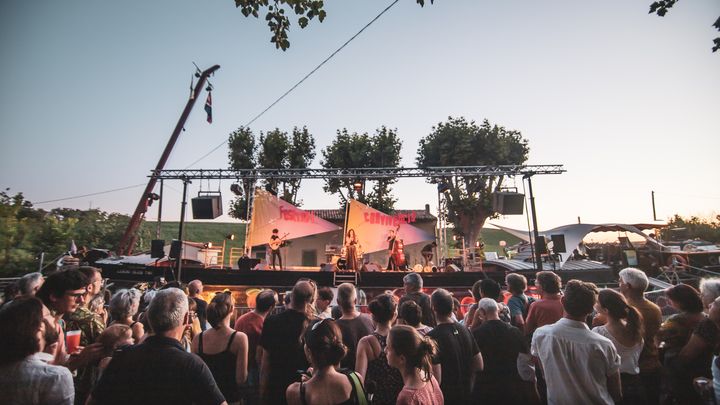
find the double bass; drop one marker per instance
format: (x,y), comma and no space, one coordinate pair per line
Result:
(397,253)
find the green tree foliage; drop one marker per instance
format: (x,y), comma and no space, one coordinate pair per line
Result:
(695,227)
(25,232)
(241,154)
(276,15)
(661,8)
(458,142)
(353,150)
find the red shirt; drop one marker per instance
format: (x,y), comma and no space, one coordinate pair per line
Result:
(543,312)
(251,324)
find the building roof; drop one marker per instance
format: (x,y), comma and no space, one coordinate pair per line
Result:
(339,215)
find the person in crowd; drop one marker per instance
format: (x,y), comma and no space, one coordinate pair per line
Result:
(549,308)
(413,284)
(322,303)
(519,303)
(381,380)
(688,340)
(10,292)
(112,338)
(62,293)
(50,341)
(193,329)
(124,306)
(353,325)
(491,289)
(223,349)
(91,326)
(624,328)
(410,314)
(159,370)
(195,290)
(714,315)
(457,315)
(324,350)
(580,366)
(24,378)
(501,345)
(412,354)
(30,283)
(459,355)
(633,283)
(665,308)
(251,324)
(470,315)
(282,353)
(709,291)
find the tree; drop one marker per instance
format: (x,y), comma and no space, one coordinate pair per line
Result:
(277,12)
(300,155)
(353,150)
(274,147)
(695,227)
(661,8)
(461,143)
(241,153)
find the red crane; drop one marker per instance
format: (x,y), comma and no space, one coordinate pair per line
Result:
(130,236)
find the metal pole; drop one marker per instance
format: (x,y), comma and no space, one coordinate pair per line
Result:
(533,214)
(159,221)
(439,247)
(653,204)
(182,229)
(42,259)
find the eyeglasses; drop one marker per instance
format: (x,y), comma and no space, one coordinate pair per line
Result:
(76,295)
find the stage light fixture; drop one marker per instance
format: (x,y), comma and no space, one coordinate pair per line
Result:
(236,189)
(230,236)
(208,245)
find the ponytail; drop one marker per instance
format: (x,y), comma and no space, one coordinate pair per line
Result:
(618,308)
(418,351)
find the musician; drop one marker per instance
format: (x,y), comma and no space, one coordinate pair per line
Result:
(275,243)
(427,252)
(351,246)
(391,250)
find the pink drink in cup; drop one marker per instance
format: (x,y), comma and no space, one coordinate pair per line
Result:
(72,339)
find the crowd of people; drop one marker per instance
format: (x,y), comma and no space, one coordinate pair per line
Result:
(576,344)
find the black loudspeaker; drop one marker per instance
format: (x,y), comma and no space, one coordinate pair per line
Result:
(508,203)
(558,243)
(157,248)
(371,267)
(247,263)
(541,245)
(206,207)
(175,249)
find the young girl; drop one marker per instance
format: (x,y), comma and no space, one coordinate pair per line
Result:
(411,354)
(624,328)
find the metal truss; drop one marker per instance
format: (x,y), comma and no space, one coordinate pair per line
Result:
(358,173)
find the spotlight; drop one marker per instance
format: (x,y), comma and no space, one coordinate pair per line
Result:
(153,196)
(236,189)
(230,236)
(208,245)
(269,189)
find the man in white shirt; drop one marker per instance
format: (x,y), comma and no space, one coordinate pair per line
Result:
(580,367)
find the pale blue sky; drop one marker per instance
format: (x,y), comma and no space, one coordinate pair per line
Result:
(626,100)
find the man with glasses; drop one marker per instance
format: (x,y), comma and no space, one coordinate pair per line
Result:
(62,293)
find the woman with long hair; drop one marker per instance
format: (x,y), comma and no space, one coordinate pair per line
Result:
(412,355)
(223,349)
(371,363)
(351,244)
(326,386)
(624,328)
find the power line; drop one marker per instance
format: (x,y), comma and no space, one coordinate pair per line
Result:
(89,195)
(301,80)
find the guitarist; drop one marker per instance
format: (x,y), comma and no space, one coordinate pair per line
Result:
(276,243)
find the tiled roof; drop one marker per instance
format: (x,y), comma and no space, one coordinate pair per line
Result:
(339,215)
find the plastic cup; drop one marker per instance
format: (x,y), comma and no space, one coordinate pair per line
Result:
(72,339)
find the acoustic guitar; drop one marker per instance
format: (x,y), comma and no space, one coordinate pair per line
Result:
(275,245)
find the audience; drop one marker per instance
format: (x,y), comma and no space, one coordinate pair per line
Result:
(223,349)
(580,366)
(195,289)
(519,303)
(283,352)
(159,370)
(410,314)
(381,380)
(714,315)
(458,353)
(624,328)
(324,350)
(470,315)
(412,355)
(29,284)
(322,303)
(500,345)
(413,284)
(124,305)
(549,309)
(24,378)
(112,338)
(353,325)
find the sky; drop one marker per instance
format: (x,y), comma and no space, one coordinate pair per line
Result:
(625,100)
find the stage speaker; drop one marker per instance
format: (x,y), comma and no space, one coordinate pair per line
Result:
(558,243)
(451,268)
(174,249)
(508,203)
(371,267)
(157,248)
(247,263)
(206,207)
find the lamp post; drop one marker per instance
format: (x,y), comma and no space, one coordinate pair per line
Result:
(227,238)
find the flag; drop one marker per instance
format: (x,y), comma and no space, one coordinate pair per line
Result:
(208,107)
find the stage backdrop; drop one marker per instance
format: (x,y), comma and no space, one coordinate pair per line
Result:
(371,227)
(270,212)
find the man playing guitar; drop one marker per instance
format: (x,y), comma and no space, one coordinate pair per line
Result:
(276,242)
